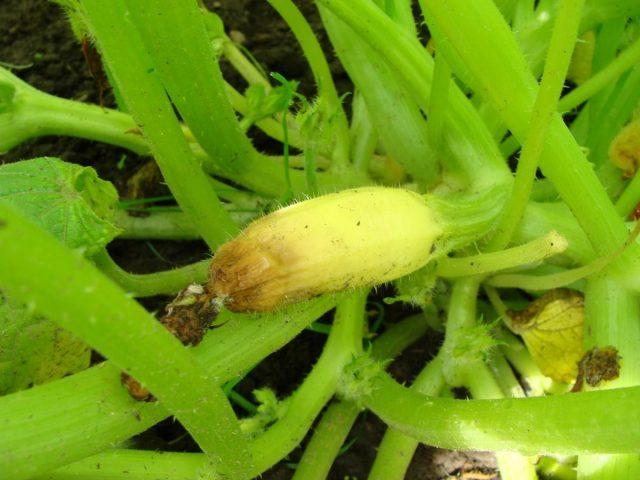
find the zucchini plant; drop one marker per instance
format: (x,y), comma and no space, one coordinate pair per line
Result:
(485,165)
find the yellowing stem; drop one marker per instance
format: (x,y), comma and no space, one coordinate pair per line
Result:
(344,240)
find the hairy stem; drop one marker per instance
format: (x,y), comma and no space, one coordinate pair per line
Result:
(563,38)
(30,443)
(129,65)
(332,430)
(176,39)
(532,252)
(148,284)
(92,307)
(590,422)
(396,449)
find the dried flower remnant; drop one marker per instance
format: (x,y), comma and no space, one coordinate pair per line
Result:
(596,366)
(552,328)
(187,317)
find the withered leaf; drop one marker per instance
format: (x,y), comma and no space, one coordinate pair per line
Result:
(552,329)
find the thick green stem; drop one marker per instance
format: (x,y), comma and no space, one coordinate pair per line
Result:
(467,138)
(461,367)
(612,318)
(178,466)
(33,113)
(630,198)
(329,436)
(460,317)
(607,76)
(131,68)
(563,38)
(32,419)
(498,65)
(171,225)
(344,342)
(168,225)
(393,113)
(590,422)
(439,101)
(396,449)
(131,465)
(608,467)
(148,284)
(91,306)
(483,385)
(175,36)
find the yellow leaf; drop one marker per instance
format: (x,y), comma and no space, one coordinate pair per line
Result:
(581,65)
(552,329)
(624,151)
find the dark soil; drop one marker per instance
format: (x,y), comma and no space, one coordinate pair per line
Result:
(36,38)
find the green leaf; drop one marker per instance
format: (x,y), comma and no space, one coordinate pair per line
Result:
(34,350)
(417,288)
(68,200)
(356,382)
(269,411)
(262,104)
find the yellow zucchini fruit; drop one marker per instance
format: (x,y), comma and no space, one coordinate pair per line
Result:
(345,240)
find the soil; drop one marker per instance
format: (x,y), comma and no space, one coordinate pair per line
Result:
(37,39)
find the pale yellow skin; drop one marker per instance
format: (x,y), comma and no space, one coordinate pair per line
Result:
(345,240)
